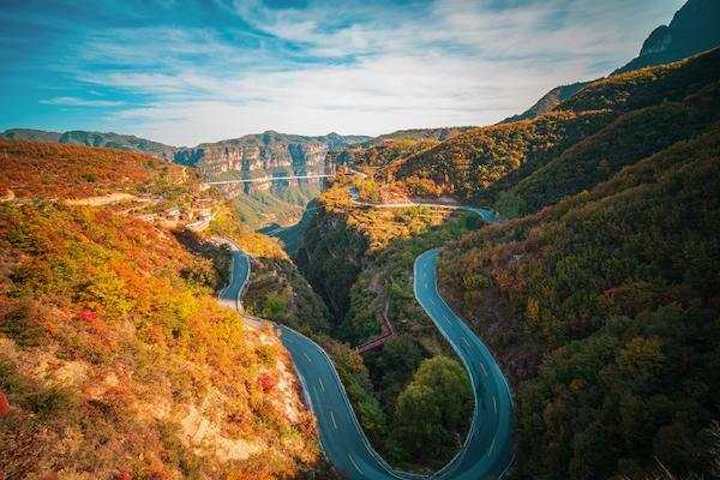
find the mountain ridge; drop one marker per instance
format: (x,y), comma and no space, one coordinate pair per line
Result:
(253,155)
(693,30)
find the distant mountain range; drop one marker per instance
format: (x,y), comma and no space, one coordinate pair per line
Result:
(694,28)
(262,154)
(94,139)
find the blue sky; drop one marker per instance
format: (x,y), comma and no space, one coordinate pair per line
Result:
(184,72)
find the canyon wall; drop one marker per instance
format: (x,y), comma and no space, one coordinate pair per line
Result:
(266,155)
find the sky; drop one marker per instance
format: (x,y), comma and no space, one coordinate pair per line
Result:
(186,72)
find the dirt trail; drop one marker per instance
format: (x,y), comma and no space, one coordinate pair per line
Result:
(107,199)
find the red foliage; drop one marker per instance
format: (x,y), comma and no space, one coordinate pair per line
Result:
(267,382)
(88,316)
(123,475)
(4,408)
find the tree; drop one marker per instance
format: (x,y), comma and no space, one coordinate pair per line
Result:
(431,410)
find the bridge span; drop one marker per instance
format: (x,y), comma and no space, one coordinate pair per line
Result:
(269,179)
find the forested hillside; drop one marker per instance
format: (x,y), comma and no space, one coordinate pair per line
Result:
(411,394)
(117,360)
(69,171)
(608,318)
(599,299)
(527,164)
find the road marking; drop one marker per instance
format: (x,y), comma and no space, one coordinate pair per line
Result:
(492,446)
(321,384)
(332,417)
(466,341)
(495,404)
(306,356)
(352,460)
(482,367)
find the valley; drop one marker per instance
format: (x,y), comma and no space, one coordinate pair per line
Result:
(535,298)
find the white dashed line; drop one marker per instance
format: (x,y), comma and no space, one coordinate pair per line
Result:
(322,386)
(495,404)
(332,417)
(307,357)
(352,460)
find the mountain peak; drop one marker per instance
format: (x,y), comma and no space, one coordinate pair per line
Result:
(693,29)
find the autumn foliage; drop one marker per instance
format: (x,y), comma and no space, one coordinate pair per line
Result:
(71,171)
(608,326)
(110,330)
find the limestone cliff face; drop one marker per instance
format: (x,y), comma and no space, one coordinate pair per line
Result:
(255,160)
(265,155)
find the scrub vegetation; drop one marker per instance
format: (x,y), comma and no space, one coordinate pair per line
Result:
(596,292)
(116,359)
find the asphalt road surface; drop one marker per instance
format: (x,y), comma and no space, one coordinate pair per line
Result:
(487,452)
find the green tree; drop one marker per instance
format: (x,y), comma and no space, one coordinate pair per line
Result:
(431,410)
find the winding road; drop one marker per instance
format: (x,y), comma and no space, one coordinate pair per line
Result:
(487,452)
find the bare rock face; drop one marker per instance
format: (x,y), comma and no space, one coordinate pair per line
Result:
(260,155)
(693,29)
(266,155)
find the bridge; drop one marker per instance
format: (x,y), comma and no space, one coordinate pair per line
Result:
(269,179)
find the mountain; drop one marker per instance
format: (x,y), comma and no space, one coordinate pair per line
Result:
(383,149)
(116,359)
(603,309)
(597,291)
(266,154)
(549,101)
(31,135)
(94,139)
(256,155)
(122,142)
(442,133)
(538,161)
(693,29)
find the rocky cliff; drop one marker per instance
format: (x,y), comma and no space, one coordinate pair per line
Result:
(693,29)
(251,156)
(265,155)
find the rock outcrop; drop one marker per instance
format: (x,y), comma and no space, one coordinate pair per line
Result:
(266,154)
(693,29)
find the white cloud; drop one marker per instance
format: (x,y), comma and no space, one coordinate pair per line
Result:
(453,63)
(80,102)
